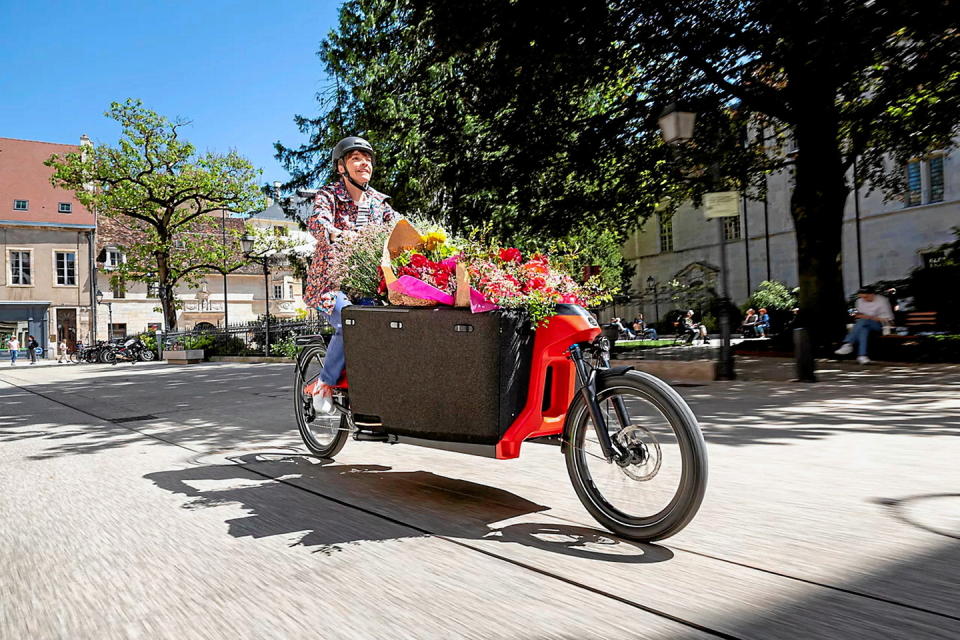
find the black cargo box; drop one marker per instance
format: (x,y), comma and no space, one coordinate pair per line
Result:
(438,373)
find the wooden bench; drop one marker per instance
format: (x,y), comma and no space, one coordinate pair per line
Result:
(916,319)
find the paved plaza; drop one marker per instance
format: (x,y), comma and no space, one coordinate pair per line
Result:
(161,501)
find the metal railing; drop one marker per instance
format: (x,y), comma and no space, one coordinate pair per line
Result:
(244,339)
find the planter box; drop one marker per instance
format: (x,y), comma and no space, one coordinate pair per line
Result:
(187,356)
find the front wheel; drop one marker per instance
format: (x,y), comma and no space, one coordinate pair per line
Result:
(659,490)
(323,435)
(148,355)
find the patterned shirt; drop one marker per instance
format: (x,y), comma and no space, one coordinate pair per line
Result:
(335,209)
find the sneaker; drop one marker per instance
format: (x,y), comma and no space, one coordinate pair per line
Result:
(845,349)
(863,360)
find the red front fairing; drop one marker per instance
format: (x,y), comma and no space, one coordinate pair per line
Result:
(552,380)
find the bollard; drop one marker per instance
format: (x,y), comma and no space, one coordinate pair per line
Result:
(803,352)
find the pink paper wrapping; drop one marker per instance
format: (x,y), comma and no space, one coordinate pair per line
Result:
(479,302)
(420,289)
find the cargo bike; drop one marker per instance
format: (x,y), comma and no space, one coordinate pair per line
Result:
(485,383)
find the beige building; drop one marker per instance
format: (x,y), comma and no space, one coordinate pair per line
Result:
(882,239)
(45,241)
(238,297)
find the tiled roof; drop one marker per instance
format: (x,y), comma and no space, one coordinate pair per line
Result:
(24,177)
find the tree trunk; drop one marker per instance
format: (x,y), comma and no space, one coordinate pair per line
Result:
(167,302)
(817,206)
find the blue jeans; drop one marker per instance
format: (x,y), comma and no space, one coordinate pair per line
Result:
(650,334)
(860,334)
(13,356)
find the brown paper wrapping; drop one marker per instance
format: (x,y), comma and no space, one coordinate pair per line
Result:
(404,236)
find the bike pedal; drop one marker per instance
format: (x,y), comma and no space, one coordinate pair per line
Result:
(371,436)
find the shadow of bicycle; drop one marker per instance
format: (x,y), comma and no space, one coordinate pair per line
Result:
(342,505)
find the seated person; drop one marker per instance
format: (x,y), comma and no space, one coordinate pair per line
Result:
(749,325)
(642,330)
(763,322)
(871,313)
(622,330)
(693,329)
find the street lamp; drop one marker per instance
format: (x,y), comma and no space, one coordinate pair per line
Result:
(99,298)
(652,286)
(676,126)
(246,243)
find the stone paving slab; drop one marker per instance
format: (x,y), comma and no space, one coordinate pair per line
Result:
(848,483)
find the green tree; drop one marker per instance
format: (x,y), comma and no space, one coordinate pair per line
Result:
(545,119)
(841,83)
(155,185)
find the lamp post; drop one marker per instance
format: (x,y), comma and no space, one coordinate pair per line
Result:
(109,305)
(677,126)
(263,258)
(652,286)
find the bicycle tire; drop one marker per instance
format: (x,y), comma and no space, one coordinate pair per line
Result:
(661,408)
(323,440)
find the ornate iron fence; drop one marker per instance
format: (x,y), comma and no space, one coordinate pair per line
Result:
(245,339)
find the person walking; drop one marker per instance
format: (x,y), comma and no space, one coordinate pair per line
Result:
(32,346)
(61,350)
(13,345)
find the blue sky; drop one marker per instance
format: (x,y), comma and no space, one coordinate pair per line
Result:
(239,70)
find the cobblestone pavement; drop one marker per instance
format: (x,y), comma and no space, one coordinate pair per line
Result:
(159,501)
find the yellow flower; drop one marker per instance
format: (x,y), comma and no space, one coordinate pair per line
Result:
(433,240)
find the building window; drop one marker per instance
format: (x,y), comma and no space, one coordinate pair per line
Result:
(118,330)
(66,267)
(731,228)
(113,258)
(278,291)
(924,181)
(20,272)
(21,205)
(666,234)
(153,289)
(119,289)
(914,192)
(935,166)
(65,207)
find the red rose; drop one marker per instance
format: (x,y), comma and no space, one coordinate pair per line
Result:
(535,284)
(510,255)
(418,260)
(407,270)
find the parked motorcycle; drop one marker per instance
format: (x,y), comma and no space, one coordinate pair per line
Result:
(131,350)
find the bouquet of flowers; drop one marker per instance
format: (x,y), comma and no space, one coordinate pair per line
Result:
(354,260)
(506,279)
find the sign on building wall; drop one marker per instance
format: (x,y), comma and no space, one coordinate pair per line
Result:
(721,204)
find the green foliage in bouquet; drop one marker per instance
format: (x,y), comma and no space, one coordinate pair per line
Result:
(355,260)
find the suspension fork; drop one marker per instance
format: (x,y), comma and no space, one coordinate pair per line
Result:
(587,377)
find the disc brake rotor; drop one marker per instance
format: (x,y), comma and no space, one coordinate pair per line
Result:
(645,450)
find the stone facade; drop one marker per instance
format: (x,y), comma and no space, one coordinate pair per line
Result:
(894,238)
(137,308)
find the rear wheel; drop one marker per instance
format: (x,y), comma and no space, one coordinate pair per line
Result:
(108,356)
(660,489)
(323,435)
